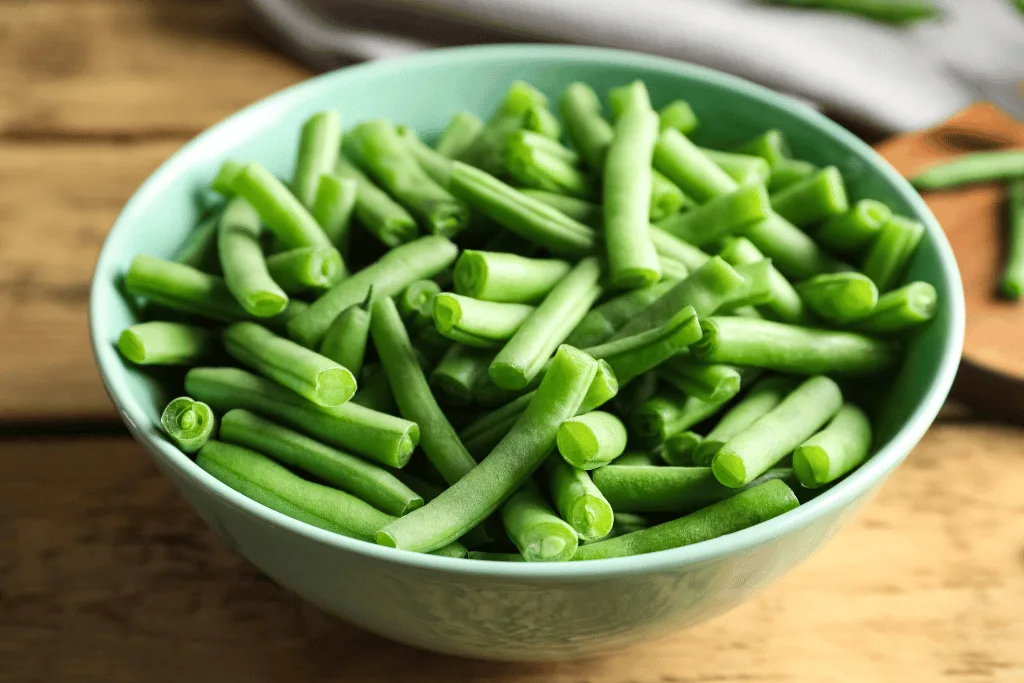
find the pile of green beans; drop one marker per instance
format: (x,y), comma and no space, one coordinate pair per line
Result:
(583,336)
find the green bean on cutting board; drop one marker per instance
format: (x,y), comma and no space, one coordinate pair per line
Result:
(1013,271)
(979,167)
(897,12)
(189,423)
(163,343)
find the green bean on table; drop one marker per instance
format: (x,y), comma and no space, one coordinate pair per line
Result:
(535,529)
(165,343)
(299,270)
(835,450)
(462,129)
(578,501)
(333,206)
(839,297)
(345,341)
(1013,271)
(246,272)
(764,396)
(319,145)
(376,211)
(189,423)
(508,278)
(815,198)
(979,167)
(281,211)
(899,310)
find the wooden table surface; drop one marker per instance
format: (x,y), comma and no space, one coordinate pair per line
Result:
(107,576)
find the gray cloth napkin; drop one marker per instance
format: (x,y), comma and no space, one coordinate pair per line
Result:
(859,71)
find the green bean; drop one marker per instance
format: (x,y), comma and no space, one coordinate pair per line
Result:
(349,427)
(305,372)
(853,231)
(345,341)
(521,214)
(224,182)
(666,198)
(319,145)
(508,278)
(535,529)
(368,482)
(544,144)
(815,198)
(578,501)
(778,432)
(735,513)
(486,149)
(182,288)
(189,423)
(892,251)
(636,458)
(590,133)
(241,258)
(691,170)
(632,258)
(298,270)
(412,393)
(378,213)
(679,448)
(592,440)
(484,324)
(377,147)
(495,557)
(460,369)
(721,216)
(462,129)
(900,309)
(163,343)
(795,254)
(373,391)
(785,304)
(745,169)
(669,412)
(333,205)
(433,163)
(420,259)
(539,119)
(522,358)
(835,450)
(281,211)
(679,115)
(839,297)
(601,322)
(200,248)
(679,490)
(771,146)
(712,383)
(416,302)
(474,497)
(789,171)
(670,246)
(791,348)
(763,397)
(978,167)
(537,168)
(633,394)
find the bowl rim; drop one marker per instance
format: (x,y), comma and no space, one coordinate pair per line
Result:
(857,484)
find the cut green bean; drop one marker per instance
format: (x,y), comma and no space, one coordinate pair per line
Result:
(544,144)
(763,397)
(680,490)
(522,214)
(789,171)
(224,182)
(771,146)
(720,217)
(853,231)
(579,210)
(839,297)
(281,211)
(712,383)
(636,459)
(200,247)
(979,167)
(837,449)
(666,198)
(669,412)
(164,343)
(777,433)
(378,213)
(416,302)
(892,250)
(813,199)
(484,324)
(319,145)
(368,482)
(298,270)
(690,169)
(412,393)
(462,129)
(333,205)
(601,322)
(590,133)
(522,358)
(900,310)
(592,440)
(307,373)
(632,258)
(785,304)
(433,163)
(349,427)
(539,119)
(534,166)
(458,372)
(486,149)
(670,246)
(733,514)
(418,260)
(791,250)
(679,115)
(534,528)
(189,423)
(791,348)
(745,169)
(507,278)
(182,288)
(474,497)
(379,150)
(345,341)
(679,448)
(578,501)
(374,392)
(245,270)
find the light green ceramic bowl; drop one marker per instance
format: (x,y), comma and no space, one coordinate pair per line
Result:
(504,610)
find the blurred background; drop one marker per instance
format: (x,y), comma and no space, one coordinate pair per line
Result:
(105,575)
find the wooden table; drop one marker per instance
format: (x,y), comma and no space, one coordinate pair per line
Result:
(107,576)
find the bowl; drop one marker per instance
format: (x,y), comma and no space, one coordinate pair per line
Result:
(513,611)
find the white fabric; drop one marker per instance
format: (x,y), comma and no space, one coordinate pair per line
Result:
(869,73)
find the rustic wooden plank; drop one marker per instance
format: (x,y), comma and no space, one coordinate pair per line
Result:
(117,70)
(106,575)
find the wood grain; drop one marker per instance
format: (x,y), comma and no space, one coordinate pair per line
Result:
(106,576)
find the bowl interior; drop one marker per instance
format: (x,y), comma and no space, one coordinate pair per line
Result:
(423,92)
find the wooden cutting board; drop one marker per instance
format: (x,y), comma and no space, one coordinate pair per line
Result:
(991,376)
